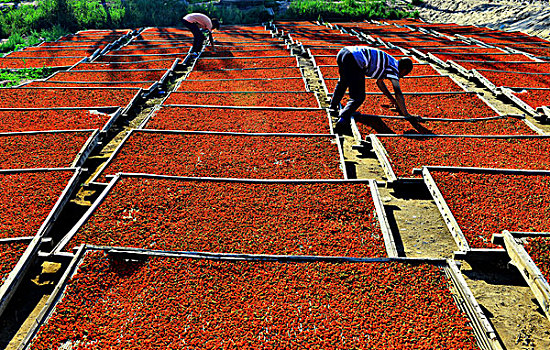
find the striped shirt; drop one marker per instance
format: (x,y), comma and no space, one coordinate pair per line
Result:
(376,64)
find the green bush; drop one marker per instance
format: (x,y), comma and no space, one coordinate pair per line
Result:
(27,17)
(15,77)
(345,10)
(17,41)
(142,13)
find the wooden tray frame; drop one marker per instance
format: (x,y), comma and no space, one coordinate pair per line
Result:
(483,331)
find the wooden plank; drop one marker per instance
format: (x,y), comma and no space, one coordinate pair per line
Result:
(383,158)
(461,70)
(355,132)
(339,141)
(445,211)
(484,332)
(529,270)
(545,110)
(484,81)
(389,240)
(438,60)
(518,102)
(86,149)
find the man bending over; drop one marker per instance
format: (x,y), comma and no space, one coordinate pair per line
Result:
(357,62)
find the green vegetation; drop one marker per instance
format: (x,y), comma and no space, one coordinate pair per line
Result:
(74,15)
(344,10)
(28,24)
(16,41)
(230,14)
(11,78)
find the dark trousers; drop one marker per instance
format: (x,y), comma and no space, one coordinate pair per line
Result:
(352,77)
(198,36)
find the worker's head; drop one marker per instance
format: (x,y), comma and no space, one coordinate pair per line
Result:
(405,66)
(215,23)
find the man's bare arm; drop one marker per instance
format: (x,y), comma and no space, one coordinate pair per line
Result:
(382,86)
(211,40)
(399,98)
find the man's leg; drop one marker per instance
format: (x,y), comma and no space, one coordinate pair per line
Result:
(342,84)
(198,37)
(356,81)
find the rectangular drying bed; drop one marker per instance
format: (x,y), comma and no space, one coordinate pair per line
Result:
(300,217)
(527,67)
(239,119)
(245,62)
(493,79)
(246,73)
(46,149)
(443,59)
(412,84)
(153,64)
(44,53)
(308,42)
(68,97)
(399,155)
(56,62)
(251,85)
(440,106)
(331,71)
(227,155)
(478,202)
(173,50)
(112,75)
(501,125)
(473,49)
(272,302)
(222,41)
(541,52)
(245,99)
(111,58)
(145,85)
(248,52)
(51,45)
(30,197)
(43,119)
(243,47)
